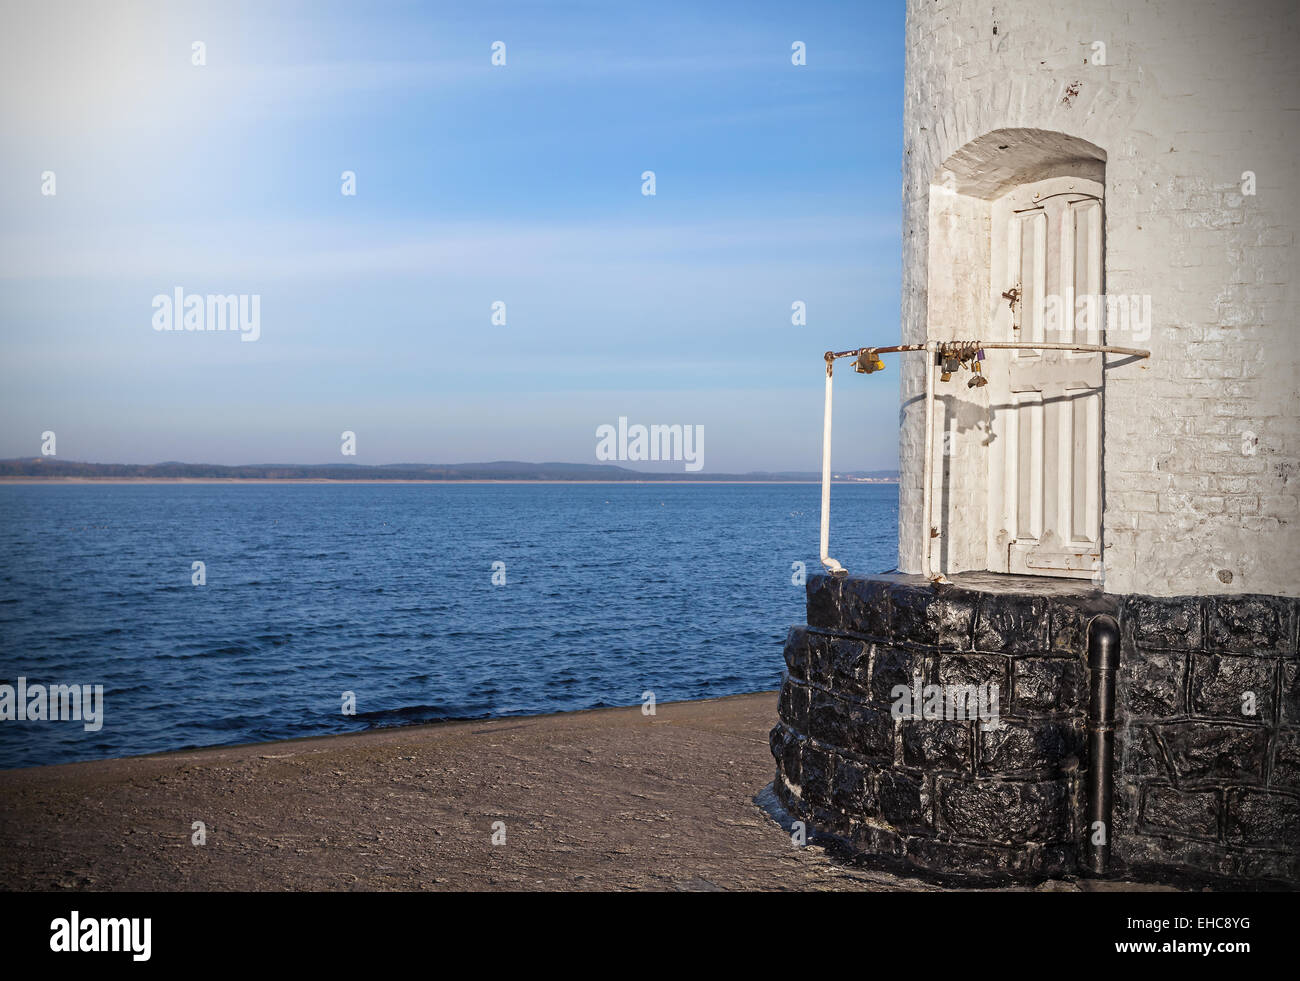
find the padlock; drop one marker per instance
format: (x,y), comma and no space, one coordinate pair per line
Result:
(867,362)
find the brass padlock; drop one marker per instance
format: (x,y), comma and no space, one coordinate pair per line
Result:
(868,361)
(951,363)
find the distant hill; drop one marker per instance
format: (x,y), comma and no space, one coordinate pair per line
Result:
(499,470)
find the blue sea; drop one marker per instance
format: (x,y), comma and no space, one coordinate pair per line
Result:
(386,591)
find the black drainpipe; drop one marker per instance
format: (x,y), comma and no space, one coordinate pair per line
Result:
(1103,659)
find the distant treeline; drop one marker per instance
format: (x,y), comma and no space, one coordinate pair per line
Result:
(506,470)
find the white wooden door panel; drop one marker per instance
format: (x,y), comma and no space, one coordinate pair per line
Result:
(1044,506)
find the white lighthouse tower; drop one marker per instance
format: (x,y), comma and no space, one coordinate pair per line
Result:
(1111,541)
(1141,152)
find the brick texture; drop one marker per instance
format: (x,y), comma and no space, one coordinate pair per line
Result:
(1201,449)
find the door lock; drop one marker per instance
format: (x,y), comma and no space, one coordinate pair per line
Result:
(1013,297)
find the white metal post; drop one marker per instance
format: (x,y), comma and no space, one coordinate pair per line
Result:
(835,568)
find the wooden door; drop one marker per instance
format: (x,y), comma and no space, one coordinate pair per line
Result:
(1045,488)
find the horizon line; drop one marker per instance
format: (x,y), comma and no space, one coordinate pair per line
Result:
(28,461)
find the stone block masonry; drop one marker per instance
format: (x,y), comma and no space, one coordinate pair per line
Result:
(1207,758)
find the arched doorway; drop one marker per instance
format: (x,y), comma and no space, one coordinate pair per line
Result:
(1017,253)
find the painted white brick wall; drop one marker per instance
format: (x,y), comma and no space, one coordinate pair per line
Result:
(1201,444)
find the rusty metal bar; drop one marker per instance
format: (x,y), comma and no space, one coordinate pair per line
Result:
(831,357)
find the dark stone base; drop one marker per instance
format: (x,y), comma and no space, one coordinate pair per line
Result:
(1207,752)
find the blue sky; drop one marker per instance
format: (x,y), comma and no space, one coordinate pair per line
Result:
(475,184)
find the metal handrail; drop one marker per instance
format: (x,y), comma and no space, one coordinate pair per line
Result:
(833,565)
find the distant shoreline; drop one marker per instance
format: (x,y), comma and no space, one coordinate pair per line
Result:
(46,470)
(396,480)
